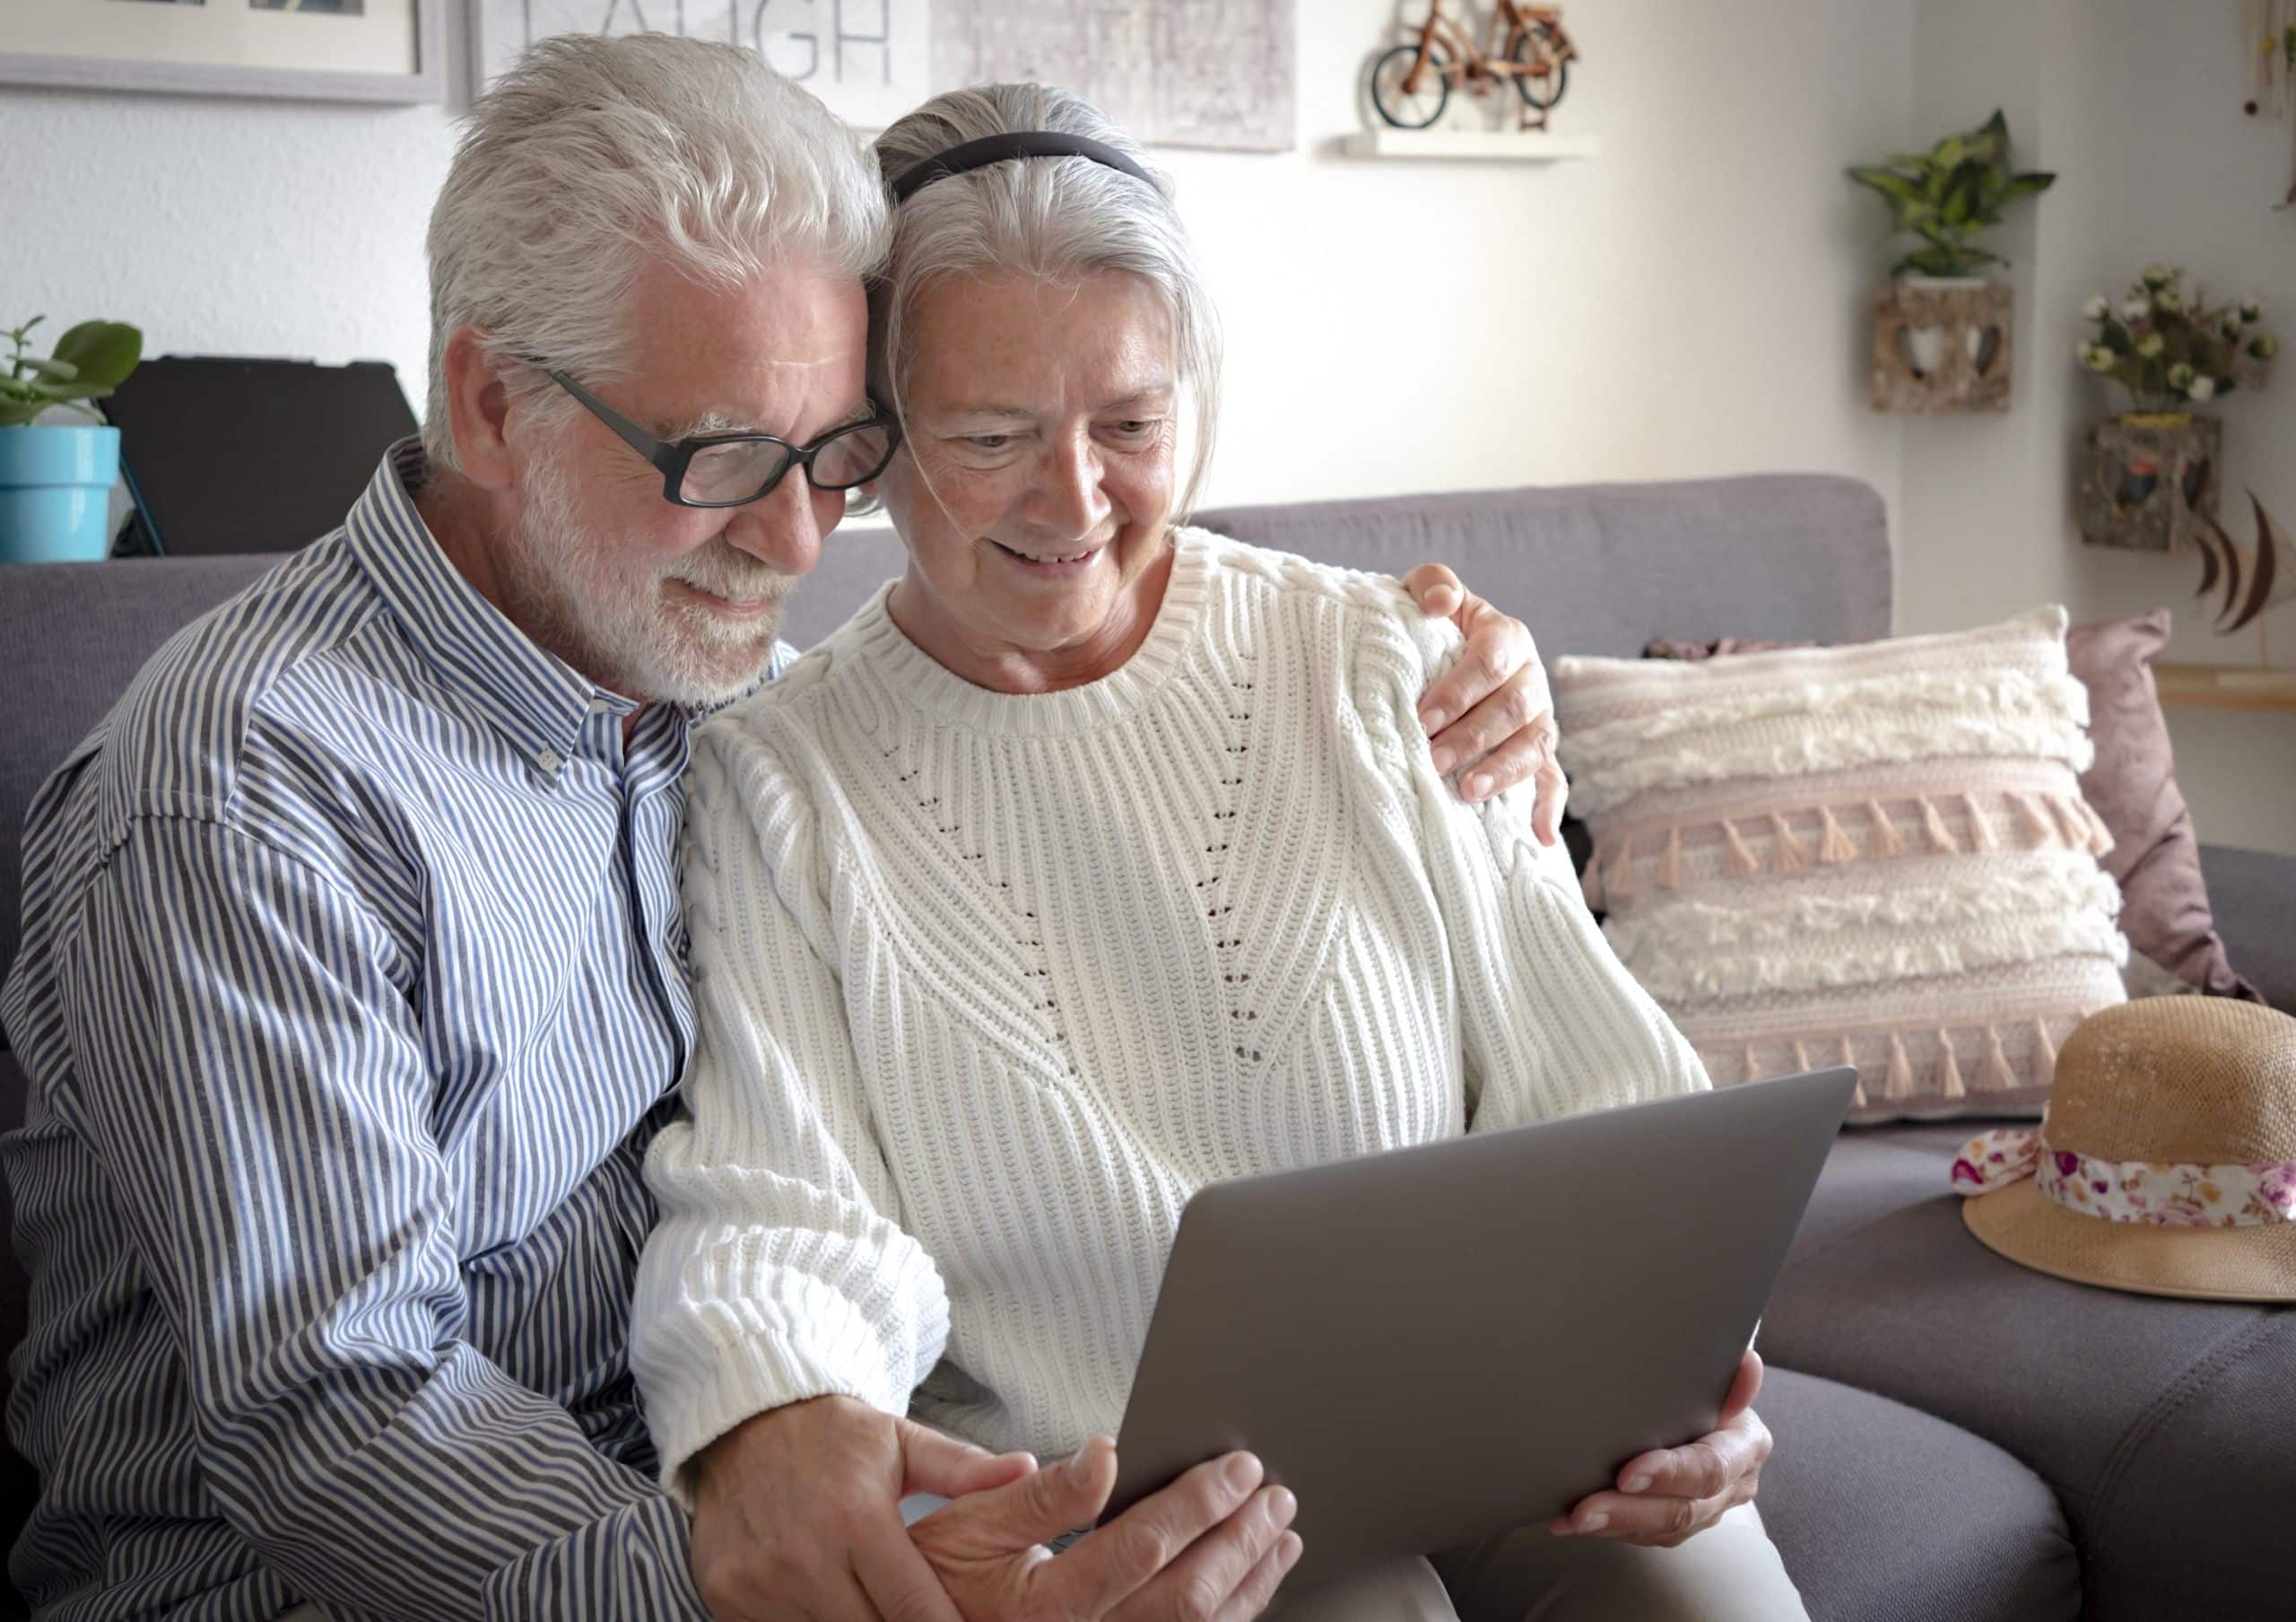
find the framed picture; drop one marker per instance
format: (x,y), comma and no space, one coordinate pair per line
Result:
(1177,73)
(313,50)
(868,60)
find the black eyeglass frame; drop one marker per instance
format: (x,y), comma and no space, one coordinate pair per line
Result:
(674,457)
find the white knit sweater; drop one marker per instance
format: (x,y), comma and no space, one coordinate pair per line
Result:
(990,984)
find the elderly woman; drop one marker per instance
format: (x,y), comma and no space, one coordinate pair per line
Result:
(1094,859)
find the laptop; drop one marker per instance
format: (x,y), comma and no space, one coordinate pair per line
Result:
(1435,1344)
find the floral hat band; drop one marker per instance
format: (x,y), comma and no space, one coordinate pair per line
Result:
(2156,1192)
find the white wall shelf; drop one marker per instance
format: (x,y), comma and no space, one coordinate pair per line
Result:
(1521,146)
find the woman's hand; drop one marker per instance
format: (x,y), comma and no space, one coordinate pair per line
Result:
(1667,1497)
(1490,719)
(1210,1547)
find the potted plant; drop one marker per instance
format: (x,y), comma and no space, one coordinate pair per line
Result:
(1942,333)
(2150,477)
(55,479)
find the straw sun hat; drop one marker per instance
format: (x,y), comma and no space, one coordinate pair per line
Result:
(2167,1164)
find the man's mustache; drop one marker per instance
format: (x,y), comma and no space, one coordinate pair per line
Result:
(723,569)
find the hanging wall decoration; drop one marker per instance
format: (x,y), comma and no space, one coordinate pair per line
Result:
(2252,579)
(1942,333)
(2150,475)
(2268,46)
(1173,73)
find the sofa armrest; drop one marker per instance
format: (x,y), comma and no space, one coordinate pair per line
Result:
(2253,893)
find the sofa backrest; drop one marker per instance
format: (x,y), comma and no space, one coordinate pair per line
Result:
(1603,568)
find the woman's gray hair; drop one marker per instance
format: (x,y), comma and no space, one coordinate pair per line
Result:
(593,156)
(1051,217)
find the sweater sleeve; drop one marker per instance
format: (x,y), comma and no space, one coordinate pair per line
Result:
(1552,1024)
(777,1270)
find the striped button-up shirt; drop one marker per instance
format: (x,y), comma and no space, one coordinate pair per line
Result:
(352,987)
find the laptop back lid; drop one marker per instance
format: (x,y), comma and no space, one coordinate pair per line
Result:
(1440,1343)
(228,455)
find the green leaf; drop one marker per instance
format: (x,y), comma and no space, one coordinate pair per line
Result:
(1887,181)
(59,371)
(60,394)
(104,351)
(1961,197)
(17,413)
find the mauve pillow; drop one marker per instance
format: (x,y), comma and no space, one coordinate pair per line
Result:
(2155,857)
(2133,786)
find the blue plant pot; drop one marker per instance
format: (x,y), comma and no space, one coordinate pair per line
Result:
(56,494)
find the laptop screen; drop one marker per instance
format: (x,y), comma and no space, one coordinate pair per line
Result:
(226,455)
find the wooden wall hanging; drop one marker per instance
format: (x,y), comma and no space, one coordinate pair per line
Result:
(1972,366)
(2148,481)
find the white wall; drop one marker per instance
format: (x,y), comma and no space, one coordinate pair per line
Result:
(2137,108)
(1687,303)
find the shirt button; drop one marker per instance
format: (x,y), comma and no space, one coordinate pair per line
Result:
(550,760)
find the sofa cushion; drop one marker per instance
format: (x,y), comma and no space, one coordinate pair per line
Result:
(2166,1429)
(1875,855)
(1883,1514)
(2132,785)
(2254,896)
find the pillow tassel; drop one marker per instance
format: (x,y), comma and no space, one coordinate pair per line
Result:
(1994,1074)
(1899,1084)
(1941,837)
(2100,834)
(1670,866)
(1857,1099)
(1802,1056)
(2044,1055)
(2076,829)
(1620,880)
(1835,846)
(2036,821)
(1742,863)
(1980,830)
(1590,882)
(1886,841)
(1949,1069)
(1789,854)
(1753,1071)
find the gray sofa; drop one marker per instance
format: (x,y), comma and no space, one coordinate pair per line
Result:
(1957,1437)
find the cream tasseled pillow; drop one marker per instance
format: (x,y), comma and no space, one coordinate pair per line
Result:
(1874,855)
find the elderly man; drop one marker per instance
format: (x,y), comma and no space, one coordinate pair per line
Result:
(352,985)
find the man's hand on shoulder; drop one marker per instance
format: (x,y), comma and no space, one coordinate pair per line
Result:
(798,1514)
(1490,719)
(1210,1548)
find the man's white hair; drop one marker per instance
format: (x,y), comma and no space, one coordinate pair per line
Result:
(593,156)
(1050,217)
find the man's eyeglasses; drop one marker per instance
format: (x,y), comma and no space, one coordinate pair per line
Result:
(732,469)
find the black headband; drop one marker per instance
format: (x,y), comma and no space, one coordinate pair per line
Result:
(1003,149)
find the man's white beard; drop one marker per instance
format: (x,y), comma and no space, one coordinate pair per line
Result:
(586,603)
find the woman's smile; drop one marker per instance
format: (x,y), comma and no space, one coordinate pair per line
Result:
(1050,566)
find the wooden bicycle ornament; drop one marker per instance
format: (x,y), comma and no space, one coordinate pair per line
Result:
(1412,84)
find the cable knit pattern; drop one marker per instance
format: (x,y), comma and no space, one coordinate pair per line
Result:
(1874,855)
(990,984)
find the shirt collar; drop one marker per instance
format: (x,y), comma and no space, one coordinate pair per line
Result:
(532,697)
